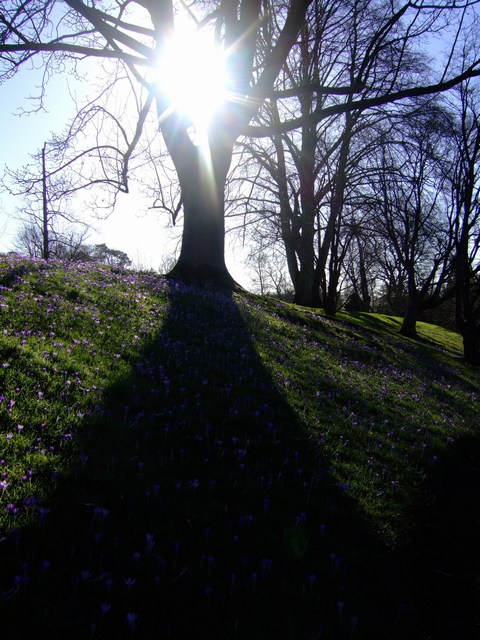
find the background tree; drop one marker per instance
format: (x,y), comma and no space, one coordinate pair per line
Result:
(64,244)
(47,190)
(361,266)
(302,181)
(111,257)
(266,266)
(133,35)
(412,210)
(464,179)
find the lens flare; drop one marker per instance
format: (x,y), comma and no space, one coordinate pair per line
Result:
(192,75)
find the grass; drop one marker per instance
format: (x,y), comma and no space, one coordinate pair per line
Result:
(182,463)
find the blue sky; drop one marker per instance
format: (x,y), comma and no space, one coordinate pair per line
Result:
(25,134)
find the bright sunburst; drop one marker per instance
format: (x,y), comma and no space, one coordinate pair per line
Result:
(192,73)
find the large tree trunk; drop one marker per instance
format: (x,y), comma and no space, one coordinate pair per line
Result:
(202,255)
(306,284)
(307,291)
(409,325)
(202,173)
(471,343)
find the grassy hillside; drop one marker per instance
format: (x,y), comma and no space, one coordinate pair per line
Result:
(181,463)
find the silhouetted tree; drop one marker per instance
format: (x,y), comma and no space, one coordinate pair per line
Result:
(67,243)
(413,211)
(111,257)
(301,181)
(464,179)
(46,188)
(134,34)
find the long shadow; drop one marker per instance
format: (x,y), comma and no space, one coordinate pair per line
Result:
(199,509)
(446,543)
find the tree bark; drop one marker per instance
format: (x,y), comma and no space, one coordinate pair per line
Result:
(471,343)
(203,241)
(202,172)
(307,287)
(409,325)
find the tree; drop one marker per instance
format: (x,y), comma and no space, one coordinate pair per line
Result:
(65,244)
(301,181)
(266,267)
(135,34)
(29,241)
(464,178)
(413,210)
(47,188)
(111,257)
(361,266)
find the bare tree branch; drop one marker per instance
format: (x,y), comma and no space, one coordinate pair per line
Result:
(362,105)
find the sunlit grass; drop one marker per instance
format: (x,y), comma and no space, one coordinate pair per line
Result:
(267,470)
(383,408)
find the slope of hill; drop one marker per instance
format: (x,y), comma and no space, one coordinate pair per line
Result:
(183,463)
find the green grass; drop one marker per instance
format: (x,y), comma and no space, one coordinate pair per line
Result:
(182,463)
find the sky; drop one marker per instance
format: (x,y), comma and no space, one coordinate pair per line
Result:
(144,235)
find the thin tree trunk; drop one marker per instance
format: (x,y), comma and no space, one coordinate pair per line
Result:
(330,295)
(46,242)
(471,343)
(365,294)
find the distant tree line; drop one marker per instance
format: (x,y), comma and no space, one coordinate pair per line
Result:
(70,247)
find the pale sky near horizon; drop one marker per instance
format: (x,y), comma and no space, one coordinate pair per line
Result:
(142,234)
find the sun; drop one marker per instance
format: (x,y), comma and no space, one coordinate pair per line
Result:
(193,75)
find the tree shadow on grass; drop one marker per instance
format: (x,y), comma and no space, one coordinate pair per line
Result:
(446,544)
(198,509)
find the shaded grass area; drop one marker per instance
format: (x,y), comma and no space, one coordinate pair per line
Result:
(198,465)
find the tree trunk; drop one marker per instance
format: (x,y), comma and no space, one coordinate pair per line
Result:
(409,325)
(46,241)
(307,290)
(306,284)
(471,344)
(330,300)
(202,173)
(365,294)
(202,255)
